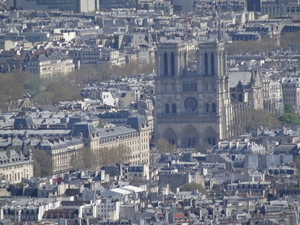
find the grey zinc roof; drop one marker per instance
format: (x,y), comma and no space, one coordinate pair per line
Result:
(135,121)
(116,131)
(84,129)
(37,133)
(236,76)
(43,58)
(23,122)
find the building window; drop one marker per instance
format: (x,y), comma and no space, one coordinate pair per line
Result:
(206,64)
(211,141)
(205,87)
(241,97)
(191,142)
(207,107)
(165,64)
(174,108)
(214,108)
(212,87)
(167,108)
(172,65)
(173,87)
(212,64)
(165,87)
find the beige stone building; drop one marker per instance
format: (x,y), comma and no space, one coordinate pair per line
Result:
(61,151)
(45,66)
(291,92)
(16,165)
(135,137)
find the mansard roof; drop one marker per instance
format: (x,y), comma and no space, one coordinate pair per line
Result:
(114,132)
(23,122)
(136,121)
(83,129)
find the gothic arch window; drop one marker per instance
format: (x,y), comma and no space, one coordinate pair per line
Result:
(174,110)
(212,87)
(241,97)
(206,87)
(165,86)
(172,65)
(212,58)
(167,108)
(206,64)
(233,96)
(214,108)
(194,86)
(173,87)
(165,64)
(207,107)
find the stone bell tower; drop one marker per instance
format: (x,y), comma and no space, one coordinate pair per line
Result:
(192,108)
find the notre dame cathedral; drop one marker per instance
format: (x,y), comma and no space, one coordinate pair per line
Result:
(194,108)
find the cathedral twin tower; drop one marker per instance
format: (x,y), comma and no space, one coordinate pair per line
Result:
(192,108)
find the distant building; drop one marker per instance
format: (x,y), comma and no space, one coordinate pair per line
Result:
(183,5)
(108,4)
(145,4)
(61,151)
(253,5)
(45,66)
(70,5)
(199,107)
(177,179)
(246,36)
(16,165)
(135,138)
(279,7)
(291,92)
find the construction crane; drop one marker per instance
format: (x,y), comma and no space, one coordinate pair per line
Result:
(185,20)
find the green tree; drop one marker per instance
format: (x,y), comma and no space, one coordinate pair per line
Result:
(297,164)
(289,119)
(163,146)
(84,158)
(44,98)
(288,108)
(261,117)
(64,94)
(193,187)
(145,67)
(265,45)
(289,38)
(110,156)
(35,86)
(42,165)
(20,185)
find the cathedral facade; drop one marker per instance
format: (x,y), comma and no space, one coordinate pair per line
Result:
(196,108)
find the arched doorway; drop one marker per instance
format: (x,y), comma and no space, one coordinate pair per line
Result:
(189,137)
(210,136)
(170,135)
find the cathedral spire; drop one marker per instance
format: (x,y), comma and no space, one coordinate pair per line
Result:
(255,75)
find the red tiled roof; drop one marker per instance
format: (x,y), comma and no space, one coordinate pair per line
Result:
(159,215)
(179,215)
